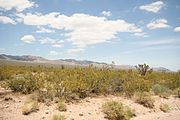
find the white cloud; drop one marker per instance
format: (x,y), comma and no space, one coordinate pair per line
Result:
(6,20)
(52,42)
(159,23)
(58,44)
(106,13)
(44,30)
(53,53)
(19,5)
(28,39)
(177,29)
(75,51)
(158,42)
(153,7)
(82,29)
(142,34)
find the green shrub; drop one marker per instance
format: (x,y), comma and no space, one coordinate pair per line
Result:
(23,83)
(177,92)
(136,85)
(74,83)
(161,90)
(144,99)
(164,107)
(58,117)
(116,111)
(61,106)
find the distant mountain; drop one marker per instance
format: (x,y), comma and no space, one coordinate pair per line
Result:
(30,58)
(161,69)
(22,58)
(71,62)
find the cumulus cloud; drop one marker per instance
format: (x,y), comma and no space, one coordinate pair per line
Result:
(28,39)
(19,5)
(52,42)
(75,51)
(53,53)
(159,23)
(142,34)
(153,7)
(106,13)
(6,20)
(44,30)
(158,42)
(81,29)
(177,29)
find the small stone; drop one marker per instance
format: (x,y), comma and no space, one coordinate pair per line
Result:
(7,98)
(6,106)
(80,114)
(47,112)
(89,113)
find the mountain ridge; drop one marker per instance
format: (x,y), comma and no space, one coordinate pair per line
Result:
(73,62)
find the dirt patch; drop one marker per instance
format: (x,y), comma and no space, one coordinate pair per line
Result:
(87,109)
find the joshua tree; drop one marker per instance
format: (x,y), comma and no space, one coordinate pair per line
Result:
(143,68)
(112,64)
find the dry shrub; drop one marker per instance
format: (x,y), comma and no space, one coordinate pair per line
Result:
(116,111)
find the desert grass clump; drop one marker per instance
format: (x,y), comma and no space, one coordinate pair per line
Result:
(61,106)
(144,99)
(30,106)
(176,92)
(116,111)
(161,91)
(58,117)
(164,107)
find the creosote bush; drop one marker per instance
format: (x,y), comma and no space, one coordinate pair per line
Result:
(144,99)
(61,106)
(178,92)
(164,107)
(58,117)
(116,111)
(161,90)
(29,106)
(74,83)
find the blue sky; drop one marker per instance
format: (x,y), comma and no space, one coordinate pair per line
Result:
(127,32)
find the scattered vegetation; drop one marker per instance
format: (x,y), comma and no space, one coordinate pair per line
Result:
(116,111)
(61,106)
(29,106)
(74,83)
(58,117)
(164,107)
(161,90)
(177,92)
(144,99)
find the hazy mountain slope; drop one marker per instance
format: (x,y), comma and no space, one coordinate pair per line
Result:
(70,62)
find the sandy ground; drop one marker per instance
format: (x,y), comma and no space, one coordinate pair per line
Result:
(87,109)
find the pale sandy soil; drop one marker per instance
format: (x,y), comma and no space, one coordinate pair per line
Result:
(87,109)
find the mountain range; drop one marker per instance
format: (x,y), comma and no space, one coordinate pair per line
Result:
(70,62)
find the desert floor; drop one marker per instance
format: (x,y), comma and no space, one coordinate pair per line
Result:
(86,109)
